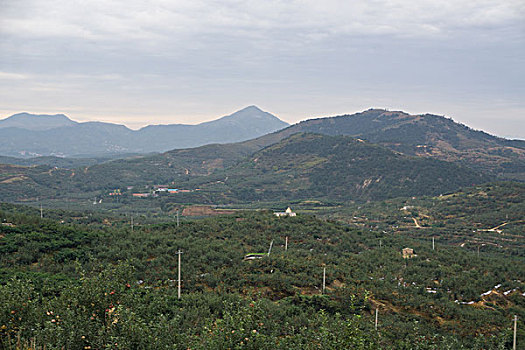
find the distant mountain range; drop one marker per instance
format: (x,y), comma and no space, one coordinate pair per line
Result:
(427,135)
(29,135)
(371,155)
(60,162)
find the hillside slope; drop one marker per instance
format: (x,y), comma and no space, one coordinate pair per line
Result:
(428,136)
(438,299)
(337,168)
(302,166)
(487,217)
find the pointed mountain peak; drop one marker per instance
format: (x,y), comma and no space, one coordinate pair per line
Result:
(252,108)
(251,114)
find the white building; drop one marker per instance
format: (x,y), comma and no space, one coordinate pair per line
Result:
(288,212)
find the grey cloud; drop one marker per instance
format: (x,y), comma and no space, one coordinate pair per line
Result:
(176,59)
(156,20)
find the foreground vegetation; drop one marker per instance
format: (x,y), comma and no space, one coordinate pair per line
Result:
(101,284)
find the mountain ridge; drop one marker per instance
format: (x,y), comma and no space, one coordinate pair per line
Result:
(69,138)
(30,121)
(424,135)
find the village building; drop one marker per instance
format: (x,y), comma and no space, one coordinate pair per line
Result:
(141,195)
(408,253)
(287,212)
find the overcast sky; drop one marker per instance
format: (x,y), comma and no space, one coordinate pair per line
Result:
(168,61)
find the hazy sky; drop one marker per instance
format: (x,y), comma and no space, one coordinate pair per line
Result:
(168,61)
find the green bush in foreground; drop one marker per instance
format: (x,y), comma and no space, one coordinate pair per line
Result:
(109,311)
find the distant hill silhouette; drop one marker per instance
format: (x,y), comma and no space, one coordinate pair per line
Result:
(29,121)
(28,135)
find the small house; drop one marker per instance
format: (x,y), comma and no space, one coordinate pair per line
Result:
(408,253)
(287,212)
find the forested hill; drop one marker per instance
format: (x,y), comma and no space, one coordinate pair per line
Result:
(59,162)
(302,166)
(337,168)
(426,135)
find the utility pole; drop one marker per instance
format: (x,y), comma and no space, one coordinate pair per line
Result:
(433,243)
(270,250)
(515,331)
(179,252)
(177,217)
(41,212)
(380,243)
(377,311)
(324,279)
(286,244)
(131,223)
(479,247)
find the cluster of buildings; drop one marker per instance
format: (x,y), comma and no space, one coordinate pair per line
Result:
(172,190)
(162,189)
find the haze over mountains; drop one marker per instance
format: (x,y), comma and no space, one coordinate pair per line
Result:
(427,136)
(28,135)
(371,155)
